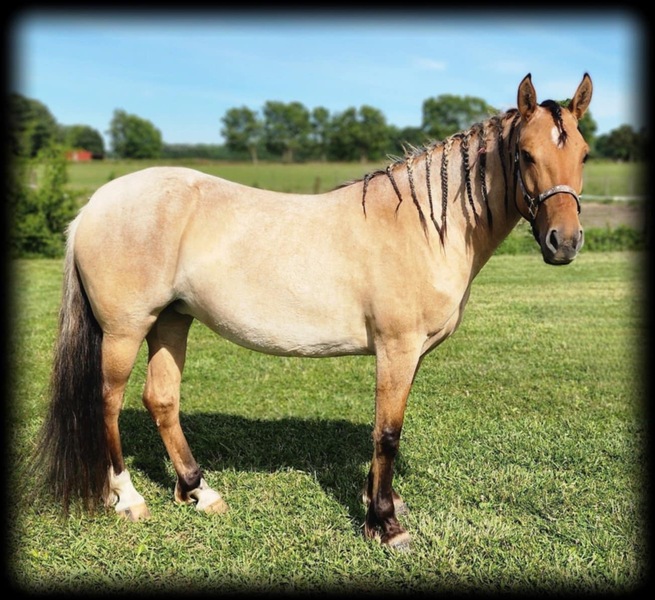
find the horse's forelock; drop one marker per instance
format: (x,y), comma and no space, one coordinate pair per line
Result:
(556,112)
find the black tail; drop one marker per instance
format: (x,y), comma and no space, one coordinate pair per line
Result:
(72,455)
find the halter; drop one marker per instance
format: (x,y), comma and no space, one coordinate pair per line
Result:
(533,203)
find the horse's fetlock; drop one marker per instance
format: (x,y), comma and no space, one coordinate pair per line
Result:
(388,441)
(189,481)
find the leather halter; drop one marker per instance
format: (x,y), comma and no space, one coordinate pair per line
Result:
(533,203)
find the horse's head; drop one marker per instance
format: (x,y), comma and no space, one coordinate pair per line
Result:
(549,155)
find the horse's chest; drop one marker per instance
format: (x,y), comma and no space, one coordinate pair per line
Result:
(445,317)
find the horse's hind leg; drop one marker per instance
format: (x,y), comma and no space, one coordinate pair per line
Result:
(118,356)
(166,353)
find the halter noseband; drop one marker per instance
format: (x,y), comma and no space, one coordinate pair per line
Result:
(533,203)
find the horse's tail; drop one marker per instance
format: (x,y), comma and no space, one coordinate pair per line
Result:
(72,453)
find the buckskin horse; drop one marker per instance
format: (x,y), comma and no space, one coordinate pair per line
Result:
(380,266)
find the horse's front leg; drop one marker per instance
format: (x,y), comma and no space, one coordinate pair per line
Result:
(396,366)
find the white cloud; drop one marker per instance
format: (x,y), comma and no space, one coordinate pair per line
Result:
(429,64)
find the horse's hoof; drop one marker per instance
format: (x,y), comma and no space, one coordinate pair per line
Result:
(216,508)
(138,512)
(399,542)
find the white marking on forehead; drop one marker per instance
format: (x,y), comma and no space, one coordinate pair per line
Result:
(554,135)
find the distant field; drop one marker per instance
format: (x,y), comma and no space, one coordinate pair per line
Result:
(602,178)
(295,178)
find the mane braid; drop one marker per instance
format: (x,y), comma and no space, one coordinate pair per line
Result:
(444,184)
(367,178)
(414,198)
(500,143)
(428,162)
(515,121)
(482,169)
(464,149)
(395,187)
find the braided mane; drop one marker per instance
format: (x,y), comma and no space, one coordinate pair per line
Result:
(473,148)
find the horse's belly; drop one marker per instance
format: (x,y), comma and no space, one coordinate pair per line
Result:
(282,329)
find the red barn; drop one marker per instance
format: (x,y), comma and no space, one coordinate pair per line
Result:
(79,155)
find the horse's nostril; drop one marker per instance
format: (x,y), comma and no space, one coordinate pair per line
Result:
(553,240)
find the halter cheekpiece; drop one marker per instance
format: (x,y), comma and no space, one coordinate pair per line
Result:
(533,203)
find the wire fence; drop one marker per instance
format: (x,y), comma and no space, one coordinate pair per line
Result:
(613,198)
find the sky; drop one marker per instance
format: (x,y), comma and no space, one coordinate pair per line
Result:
(182,71)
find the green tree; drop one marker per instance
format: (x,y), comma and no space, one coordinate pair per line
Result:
(243,130)
(134,137)
(40,205)
(31,126)
(448,114)
(320,131)
(286,128)
(359,134)
(83,136)
(407,136)
(622,143)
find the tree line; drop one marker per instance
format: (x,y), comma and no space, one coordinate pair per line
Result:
(288,132)
(281,131)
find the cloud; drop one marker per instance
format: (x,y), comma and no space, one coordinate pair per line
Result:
(429,64)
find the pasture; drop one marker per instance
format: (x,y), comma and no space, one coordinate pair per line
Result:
(522,460)
(602,177)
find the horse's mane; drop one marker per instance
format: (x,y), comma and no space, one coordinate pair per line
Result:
(493,125)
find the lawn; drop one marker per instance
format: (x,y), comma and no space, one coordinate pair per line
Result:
(522,459)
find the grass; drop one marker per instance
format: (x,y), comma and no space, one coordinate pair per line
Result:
(522,457)
(295,178)
(602,177)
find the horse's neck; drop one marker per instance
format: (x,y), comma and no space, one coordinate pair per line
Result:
(463,188)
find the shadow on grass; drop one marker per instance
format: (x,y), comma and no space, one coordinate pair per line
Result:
(338,452)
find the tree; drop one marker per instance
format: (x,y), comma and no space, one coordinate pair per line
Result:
(243,131)
(359,134)
(286,128)
(134,137)
(41,208)
(448,114)
(623,143)
(320,131)
(31,126)
(407,136)
(83,136)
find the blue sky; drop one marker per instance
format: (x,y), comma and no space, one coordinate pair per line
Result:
(183,70)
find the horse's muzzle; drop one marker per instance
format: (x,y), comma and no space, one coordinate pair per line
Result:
(558,248)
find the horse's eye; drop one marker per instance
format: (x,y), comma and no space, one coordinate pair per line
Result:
(584,158)
(527,157)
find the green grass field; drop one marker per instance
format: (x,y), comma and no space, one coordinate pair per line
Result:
(602,177)
(522,460)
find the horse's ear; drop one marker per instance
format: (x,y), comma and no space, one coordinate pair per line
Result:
(578,106)
(527,98)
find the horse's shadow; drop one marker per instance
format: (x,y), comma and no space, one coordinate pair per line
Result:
(336,452)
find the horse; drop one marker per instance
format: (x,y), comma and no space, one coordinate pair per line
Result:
(380,266)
